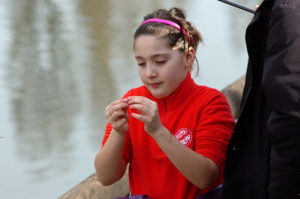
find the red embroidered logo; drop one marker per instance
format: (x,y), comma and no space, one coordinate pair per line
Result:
(184,136)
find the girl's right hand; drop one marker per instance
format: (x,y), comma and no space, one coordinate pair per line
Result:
(117,116)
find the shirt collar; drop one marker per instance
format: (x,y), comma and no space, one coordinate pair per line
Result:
(180,94)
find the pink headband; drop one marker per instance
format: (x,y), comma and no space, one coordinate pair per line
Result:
(171,23)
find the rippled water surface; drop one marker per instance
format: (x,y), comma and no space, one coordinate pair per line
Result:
(62,62)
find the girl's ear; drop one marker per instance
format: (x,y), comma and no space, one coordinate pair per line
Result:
(189,57)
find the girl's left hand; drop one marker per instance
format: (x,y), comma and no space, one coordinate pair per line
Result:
(149,113)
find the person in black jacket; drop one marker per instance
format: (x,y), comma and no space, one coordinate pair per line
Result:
(263,158)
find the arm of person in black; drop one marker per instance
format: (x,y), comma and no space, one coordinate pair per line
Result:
(281,85)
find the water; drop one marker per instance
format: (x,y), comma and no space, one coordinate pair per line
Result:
(62,62)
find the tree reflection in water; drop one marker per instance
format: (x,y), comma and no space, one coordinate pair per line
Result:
(49,57)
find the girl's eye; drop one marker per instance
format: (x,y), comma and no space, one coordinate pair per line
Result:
(161,62)
(141,64)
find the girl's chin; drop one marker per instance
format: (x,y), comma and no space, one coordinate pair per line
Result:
(157,94)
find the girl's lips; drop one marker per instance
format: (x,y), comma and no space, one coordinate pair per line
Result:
(154,85)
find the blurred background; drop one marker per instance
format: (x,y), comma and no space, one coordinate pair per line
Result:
(63,62)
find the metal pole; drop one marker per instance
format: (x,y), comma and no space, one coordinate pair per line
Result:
(238,6)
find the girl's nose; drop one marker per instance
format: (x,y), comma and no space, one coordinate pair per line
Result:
(150,71)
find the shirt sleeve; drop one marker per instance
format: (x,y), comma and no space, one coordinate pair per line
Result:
(127,146)
(214,129)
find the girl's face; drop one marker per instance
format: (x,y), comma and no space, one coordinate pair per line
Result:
(161,68)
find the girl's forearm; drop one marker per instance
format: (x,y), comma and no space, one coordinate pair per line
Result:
(198,169)
(109,162)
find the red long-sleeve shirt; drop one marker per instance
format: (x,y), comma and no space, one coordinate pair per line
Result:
(199,117)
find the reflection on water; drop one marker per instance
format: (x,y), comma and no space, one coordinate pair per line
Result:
(102,86)
(66,61)
(44,82)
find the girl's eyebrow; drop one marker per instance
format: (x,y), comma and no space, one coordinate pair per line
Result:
(154,56)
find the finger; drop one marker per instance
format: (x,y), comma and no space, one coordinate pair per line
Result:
(137,100)
(112,117)
(151,105)
(115,107)
(110,111)
(139,117)
(120,123)
(142,109)
(117,115)
(121,106)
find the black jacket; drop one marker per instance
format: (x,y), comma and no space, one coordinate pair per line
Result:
(263,158)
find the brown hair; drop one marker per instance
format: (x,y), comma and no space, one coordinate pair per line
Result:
(176,37)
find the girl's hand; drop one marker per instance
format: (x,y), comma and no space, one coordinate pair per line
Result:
(116,114)
(148,110)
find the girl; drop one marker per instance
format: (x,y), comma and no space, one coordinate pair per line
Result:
(173,132)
